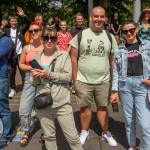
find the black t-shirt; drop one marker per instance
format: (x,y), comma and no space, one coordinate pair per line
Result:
(135,63)
(116,23)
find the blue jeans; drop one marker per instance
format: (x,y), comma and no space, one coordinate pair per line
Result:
(26,103)
(136,107)
(5,114)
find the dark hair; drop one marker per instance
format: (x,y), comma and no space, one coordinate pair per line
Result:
(130,22)
(143,14)
(12,17)
(50,32)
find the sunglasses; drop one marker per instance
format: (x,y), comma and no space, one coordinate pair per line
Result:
(147,12)
(34,30)
(125,32)
(47,38)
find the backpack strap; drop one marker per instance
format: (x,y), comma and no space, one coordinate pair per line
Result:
(109,37)
(79,37)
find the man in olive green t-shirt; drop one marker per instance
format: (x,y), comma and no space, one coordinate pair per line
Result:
(91,73)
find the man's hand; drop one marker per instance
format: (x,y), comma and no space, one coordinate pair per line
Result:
(20,12)
(114,97)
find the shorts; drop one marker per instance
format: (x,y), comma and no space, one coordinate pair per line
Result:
(86,93)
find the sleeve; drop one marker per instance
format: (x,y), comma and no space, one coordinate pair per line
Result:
(34,81)
(65,75)
(5,47)
(74,42)
(115,75)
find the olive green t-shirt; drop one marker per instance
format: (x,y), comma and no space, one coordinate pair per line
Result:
(93,63)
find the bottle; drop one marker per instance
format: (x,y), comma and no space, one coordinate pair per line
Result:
(115,107)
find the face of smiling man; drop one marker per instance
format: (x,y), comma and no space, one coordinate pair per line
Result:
(97,18)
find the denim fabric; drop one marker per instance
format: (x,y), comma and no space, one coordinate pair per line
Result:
(26,103)
(136,107)
(120,68)
(5,114)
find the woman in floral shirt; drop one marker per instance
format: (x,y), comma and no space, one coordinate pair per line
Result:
(144,24)
(64,37)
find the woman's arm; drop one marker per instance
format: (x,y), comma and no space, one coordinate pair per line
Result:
(22,60)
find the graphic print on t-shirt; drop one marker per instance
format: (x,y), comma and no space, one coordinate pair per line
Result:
(99,51)
(133,53)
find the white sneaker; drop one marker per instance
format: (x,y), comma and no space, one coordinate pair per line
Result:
(132,148)
(12,93)
(108,137)
(83,136)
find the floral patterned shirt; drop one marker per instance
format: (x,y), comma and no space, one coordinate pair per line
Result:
(143,33)
(63,40)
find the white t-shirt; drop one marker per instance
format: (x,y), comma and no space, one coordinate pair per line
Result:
(93,63)
(13,37)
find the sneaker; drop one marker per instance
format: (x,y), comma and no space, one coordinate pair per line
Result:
(12,93)
(132,148)
(83,136)
(108,137)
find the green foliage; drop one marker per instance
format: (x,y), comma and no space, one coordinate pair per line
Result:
(69,8)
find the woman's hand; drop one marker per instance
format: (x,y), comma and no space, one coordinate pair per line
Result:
(146,82)
(114,97)
(37,73)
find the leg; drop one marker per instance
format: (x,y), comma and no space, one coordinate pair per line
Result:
(65,114)
(102,115)
(101,95)
(84,97)
(22,73)
(142,106)
(13,74)
(85,117)
(47,120)
(5,113)
(26,103)
(128,105)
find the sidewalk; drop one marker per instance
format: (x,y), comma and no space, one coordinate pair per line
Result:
(94,141)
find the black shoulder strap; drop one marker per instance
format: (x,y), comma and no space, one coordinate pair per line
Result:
(79,36)
(109,37)
(53,65)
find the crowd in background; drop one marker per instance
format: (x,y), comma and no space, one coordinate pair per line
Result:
(123,51)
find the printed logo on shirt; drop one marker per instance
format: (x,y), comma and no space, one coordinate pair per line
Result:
(133,53)
(99,52)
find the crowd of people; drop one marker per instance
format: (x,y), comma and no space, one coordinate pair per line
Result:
(100,69)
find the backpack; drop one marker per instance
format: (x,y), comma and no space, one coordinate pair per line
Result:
(79,37)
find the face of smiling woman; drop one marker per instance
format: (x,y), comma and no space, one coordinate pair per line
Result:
(129,32)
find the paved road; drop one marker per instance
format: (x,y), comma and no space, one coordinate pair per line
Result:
(94,141)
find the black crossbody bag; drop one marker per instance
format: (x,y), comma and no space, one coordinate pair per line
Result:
(45,99)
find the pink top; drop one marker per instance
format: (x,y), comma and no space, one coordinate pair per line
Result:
(63,41)
(30,54)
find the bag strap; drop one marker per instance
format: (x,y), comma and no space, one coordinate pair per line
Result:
(109,37)
(52,69)
(79,36)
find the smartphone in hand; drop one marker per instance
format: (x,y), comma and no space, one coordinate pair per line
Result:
(35,65)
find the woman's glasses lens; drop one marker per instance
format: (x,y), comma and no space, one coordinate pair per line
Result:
(35,31)
(52,38)
(125,32)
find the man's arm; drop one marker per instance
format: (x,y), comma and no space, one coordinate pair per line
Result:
(111,62)
(74,60)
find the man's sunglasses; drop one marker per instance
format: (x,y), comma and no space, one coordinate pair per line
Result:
(34,30)
(125,32)
(47,38)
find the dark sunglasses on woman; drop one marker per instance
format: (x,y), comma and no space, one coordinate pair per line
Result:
(47,38)
(34,30)
(125,32)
